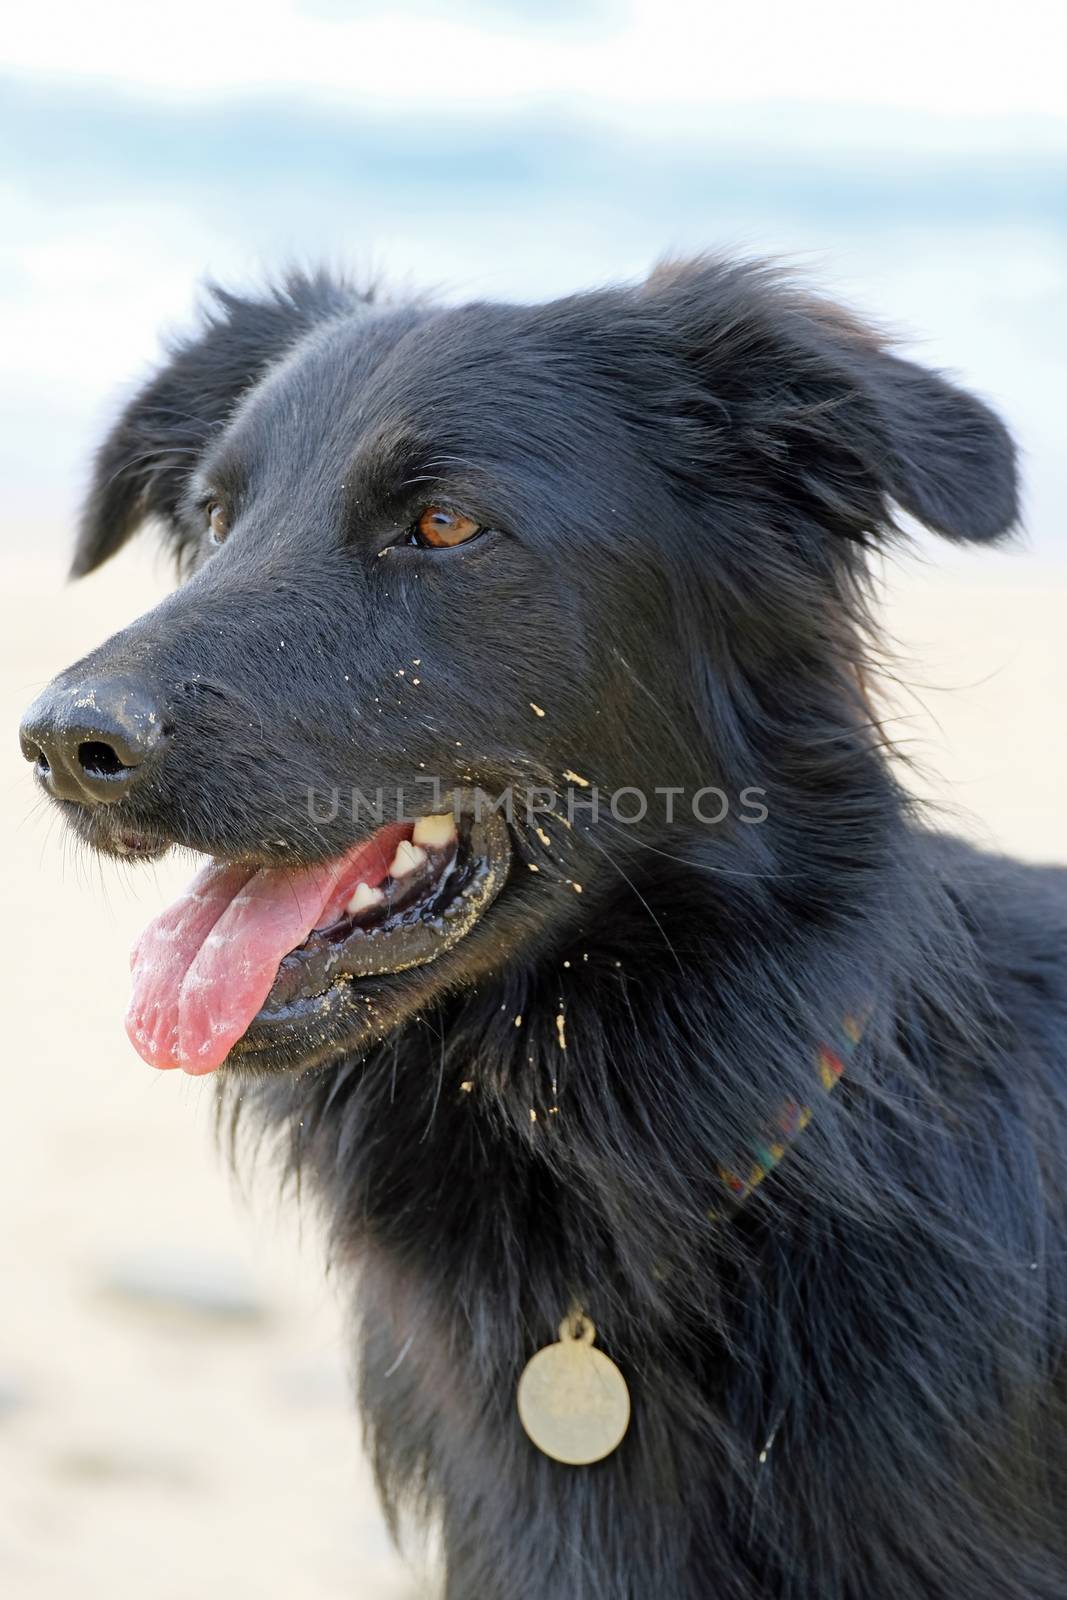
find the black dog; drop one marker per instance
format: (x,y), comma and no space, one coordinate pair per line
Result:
(605,562)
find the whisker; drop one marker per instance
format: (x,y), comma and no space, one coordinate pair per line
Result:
(629,881)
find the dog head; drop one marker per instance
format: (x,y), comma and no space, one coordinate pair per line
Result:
(476,601)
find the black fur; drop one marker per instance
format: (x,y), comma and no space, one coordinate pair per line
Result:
(855,1390)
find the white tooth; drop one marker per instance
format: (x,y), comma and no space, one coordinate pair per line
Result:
(435,831)
(363,899)
(407,858)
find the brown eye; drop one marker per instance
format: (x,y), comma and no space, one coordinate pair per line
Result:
(218,522)
(439,528)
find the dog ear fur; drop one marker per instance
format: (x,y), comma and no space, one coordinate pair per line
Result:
(837,416)
(948,460)
(143,463)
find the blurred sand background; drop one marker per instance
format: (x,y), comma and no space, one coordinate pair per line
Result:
(174,1418)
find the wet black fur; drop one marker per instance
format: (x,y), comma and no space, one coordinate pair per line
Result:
(855,1390)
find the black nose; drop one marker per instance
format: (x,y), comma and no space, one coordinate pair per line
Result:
(92,742)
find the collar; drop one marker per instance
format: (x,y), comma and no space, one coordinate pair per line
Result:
(785,1127)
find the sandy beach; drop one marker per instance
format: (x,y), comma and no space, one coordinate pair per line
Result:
(174,1418)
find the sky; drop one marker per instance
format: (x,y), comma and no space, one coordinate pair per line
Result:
(651,57)
(911,158)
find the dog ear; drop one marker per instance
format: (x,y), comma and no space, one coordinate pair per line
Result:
(940,453)
(141,467)
(836,417)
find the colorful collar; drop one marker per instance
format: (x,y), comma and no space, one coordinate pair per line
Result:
(778,1138)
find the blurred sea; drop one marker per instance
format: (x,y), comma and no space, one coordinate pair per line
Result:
(952,232)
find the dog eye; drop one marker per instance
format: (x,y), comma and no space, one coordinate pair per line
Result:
(218,522)
(439,529)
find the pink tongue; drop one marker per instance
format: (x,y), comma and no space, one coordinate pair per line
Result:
(202,970)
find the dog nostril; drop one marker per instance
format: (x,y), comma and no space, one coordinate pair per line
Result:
(99,760)
(91,742)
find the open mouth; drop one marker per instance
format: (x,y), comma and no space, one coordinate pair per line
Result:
(251,955)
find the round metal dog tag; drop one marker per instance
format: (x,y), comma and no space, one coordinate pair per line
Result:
(573,1400)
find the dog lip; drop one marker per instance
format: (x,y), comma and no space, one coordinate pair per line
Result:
(107,834)
(320,978)
(137,844)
